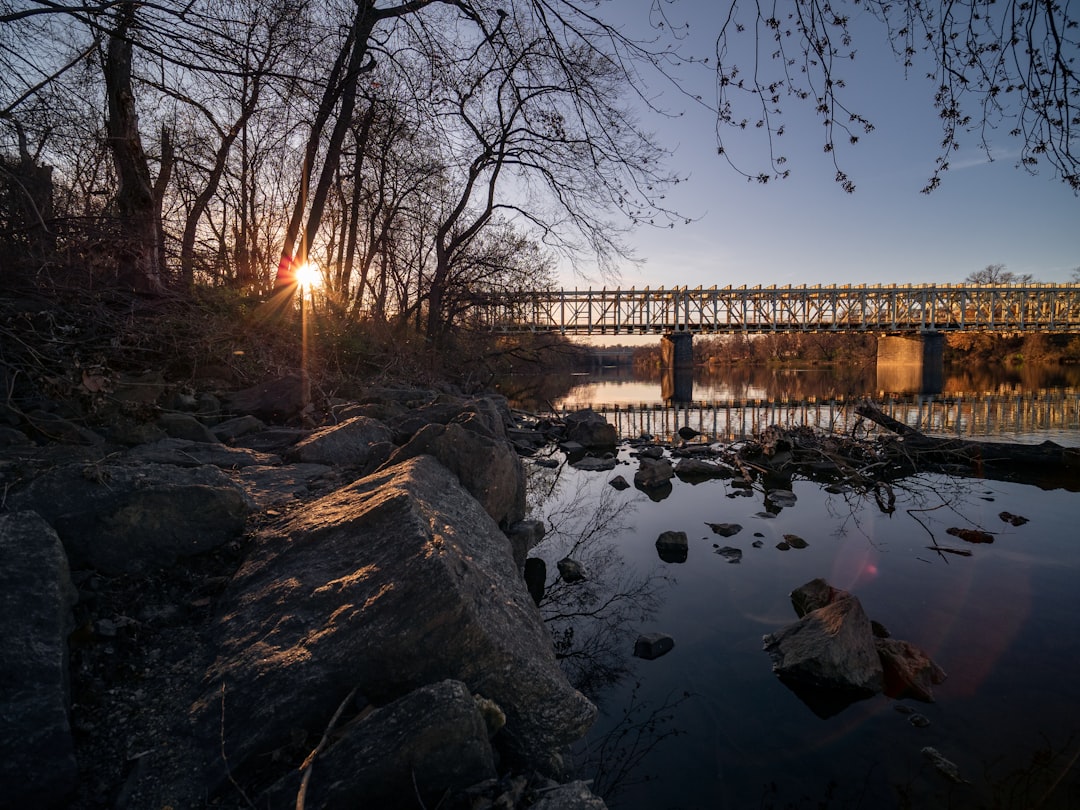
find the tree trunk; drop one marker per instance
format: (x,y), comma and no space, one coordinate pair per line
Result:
(140,254)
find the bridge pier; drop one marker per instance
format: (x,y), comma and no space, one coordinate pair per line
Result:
(677,364)
(911,364)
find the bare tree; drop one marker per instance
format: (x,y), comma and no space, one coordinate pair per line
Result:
(1008,66)
(997,274)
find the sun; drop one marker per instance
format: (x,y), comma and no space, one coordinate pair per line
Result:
(308,276)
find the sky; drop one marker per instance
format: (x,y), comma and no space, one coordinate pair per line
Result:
(808,230)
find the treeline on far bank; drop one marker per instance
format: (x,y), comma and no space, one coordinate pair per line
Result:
(830,349)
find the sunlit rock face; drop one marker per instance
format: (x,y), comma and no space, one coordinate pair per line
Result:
(398,580)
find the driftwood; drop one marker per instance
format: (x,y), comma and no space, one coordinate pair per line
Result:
(920,448)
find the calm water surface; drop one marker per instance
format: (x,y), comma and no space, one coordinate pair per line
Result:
(709,726)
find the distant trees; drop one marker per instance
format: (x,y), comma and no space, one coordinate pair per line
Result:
(997,274)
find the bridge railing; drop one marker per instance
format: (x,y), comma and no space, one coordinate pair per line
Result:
(891,308)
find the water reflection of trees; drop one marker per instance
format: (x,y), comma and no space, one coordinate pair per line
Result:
(594,621)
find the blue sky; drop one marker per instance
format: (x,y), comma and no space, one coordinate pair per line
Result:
(807,230)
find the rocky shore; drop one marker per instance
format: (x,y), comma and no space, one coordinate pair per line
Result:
(221,608)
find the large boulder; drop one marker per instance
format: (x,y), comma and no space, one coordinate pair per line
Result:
(396,581)
(429,743)
(37,755)
(590,429)
(128,518)
(488,468)
(274,400)
(830,648)
(346,445)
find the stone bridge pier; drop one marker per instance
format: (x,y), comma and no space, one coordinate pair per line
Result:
(911,364)
(677,364)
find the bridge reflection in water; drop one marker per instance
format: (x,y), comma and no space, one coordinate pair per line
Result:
(1028,416)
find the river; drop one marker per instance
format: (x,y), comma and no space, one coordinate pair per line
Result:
(708,725)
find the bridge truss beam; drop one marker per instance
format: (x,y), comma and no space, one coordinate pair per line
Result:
(891,308)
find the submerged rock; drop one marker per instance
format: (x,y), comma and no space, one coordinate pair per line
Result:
(672,547)
(652,645)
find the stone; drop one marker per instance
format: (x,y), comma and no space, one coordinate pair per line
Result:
(594,464)
(829,648)
(488,468)
(232,429)
(817,593)
(1013,520)
(672,547)
(619,483)
(650,451)
(590,429)
(275,485)
(37,753)
(345,445)
(570,570)
(687,433)
(426,744)
(794,541)
(185,426)
(945,767)
(275,400)
(694,470)
(51,427)
(731,554)
(652,645)
(121,518)
(971,535)
(780,497)
(396,581)
(188,453)
(653,474)
(725,529)
(908,671)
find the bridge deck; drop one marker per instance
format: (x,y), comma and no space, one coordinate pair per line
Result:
(891,308)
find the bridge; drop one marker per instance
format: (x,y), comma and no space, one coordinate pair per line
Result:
(891,309)
(910,319)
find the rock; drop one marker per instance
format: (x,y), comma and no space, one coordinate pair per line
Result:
(650,451)
(725,529)
(672,547)
(271,486)
(188,453)
(971,535)
(345,445)
(653,645)
(590,429)
(817,593)
(696,469)
(570,570)
(121,518)
(524,536)
(1013,520)
(535,578)
(185,426)
(909,672)
(794,541)
(945,767)
(732,555)
(51,427)
(594,464)
(619,483)
(428,743)
(10,437)
(919,720)
(37,754)
(396,581)
(653,474)
(571,796)
(488,468)
(829,648)
(232,429)
(780,498)
(275,400)
(687,433)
